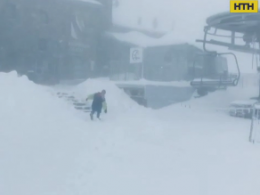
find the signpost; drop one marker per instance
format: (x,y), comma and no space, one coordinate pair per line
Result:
(136,57)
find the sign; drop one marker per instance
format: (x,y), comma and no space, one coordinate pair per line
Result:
(243,6)
(136,55)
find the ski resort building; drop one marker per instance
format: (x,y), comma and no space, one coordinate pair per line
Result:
(164,59)
(53,40)
(163,77)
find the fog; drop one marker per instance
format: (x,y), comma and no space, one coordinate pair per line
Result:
(116,97)
(186,18)
(53,41)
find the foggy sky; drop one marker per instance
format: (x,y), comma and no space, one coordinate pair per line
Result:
(187,18)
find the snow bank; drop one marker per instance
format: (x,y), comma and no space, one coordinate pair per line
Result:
(39,138)
(225,97)
(91,1)
(174,151)
(142,40)
(118,101)
(217,101)
(46,150)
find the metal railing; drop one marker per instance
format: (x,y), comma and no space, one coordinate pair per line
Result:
(254,120)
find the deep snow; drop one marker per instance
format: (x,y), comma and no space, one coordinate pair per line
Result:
(48,148)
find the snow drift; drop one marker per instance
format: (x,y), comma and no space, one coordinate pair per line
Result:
(118,101)
(217,101)
(46,149)
(39,138)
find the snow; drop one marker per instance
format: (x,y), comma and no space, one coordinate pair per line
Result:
(257,106)
(39,138)
(171,15)
(91,86)
(144,82)
(206,79)
(47,147)
(243,102)
(91,1)
(142,40)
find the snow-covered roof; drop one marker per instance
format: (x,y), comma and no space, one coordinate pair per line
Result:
(142,40)
(144,82)
(91,1)
(206,79)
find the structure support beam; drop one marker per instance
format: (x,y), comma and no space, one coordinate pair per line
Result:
(241,48)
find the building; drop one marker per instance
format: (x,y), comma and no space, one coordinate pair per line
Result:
(52,40)
(163,78)
(164,59)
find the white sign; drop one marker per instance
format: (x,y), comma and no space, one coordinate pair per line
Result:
(136,55)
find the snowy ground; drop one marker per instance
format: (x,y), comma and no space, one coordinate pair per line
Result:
(192,148)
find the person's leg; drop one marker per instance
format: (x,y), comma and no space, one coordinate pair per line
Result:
(92,113)
(93,110)
(98,112)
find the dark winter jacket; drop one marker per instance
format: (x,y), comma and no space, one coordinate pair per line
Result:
(99,101)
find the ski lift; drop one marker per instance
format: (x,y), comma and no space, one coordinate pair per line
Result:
(216,83)
(204,85)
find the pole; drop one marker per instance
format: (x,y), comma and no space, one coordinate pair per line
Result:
(142,64)
(142,70)
(258,86)
(258,70)
(251,139)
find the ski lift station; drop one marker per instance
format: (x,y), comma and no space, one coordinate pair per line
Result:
(157,72)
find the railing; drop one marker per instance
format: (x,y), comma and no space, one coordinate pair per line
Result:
(212,83)
(255,124)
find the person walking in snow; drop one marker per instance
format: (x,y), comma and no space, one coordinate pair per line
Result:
(98,103)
